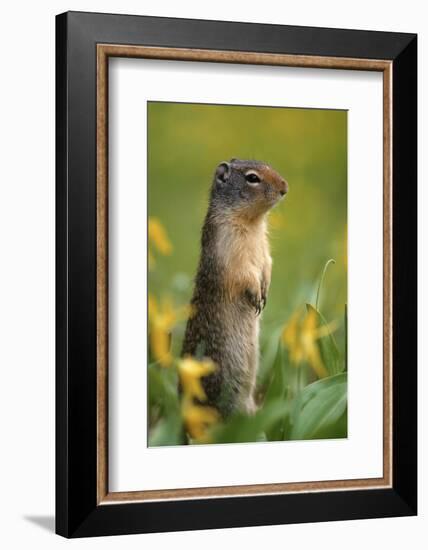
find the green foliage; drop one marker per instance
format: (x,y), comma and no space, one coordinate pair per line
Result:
(327,345)
(289,409)
(322,410)
(164,407)
(276,396)
(162,389)
(242,429)
(317,411)
(168,431)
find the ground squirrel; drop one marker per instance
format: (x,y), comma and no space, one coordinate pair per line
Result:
(232,281)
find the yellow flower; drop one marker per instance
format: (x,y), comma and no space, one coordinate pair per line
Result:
(301,335)
(162,318)
(158,236)
(191,371)
(198,419)
(291,337)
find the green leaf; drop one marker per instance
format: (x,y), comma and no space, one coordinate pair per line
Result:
(327,345)
(277,388)
(167,432)
(310,391)
(323,410)
(163,388)
(269,348)
(324,271)
(277,391)
(244,429)
(163,394)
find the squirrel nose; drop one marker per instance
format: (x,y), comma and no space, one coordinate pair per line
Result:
(284,188)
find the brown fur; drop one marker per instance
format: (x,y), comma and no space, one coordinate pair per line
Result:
(232,282)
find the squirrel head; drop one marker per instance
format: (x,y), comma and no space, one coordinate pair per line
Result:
(249,188)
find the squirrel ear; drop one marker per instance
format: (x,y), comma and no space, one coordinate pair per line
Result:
(222,173)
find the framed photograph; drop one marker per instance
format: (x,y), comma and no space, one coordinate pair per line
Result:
(236,274)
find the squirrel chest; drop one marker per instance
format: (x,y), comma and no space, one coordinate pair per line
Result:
(243,252)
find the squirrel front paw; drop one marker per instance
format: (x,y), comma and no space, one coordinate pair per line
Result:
(256,300)
(264,292)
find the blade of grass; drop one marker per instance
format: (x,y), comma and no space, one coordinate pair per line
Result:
(330,261)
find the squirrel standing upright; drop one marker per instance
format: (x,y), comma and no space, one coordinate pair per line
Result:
(232,281)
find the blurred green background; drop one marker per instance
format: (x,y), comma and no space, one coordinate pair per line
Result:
(307,146)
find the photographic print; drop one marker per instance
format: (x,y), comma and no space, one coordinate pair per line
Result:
(226,254)
(247,271)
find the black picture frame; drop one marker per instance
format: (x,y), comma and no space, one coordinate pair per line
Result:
(77,511)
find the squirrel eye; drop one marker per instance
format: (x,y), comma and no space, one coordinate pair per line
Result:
(251,177)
